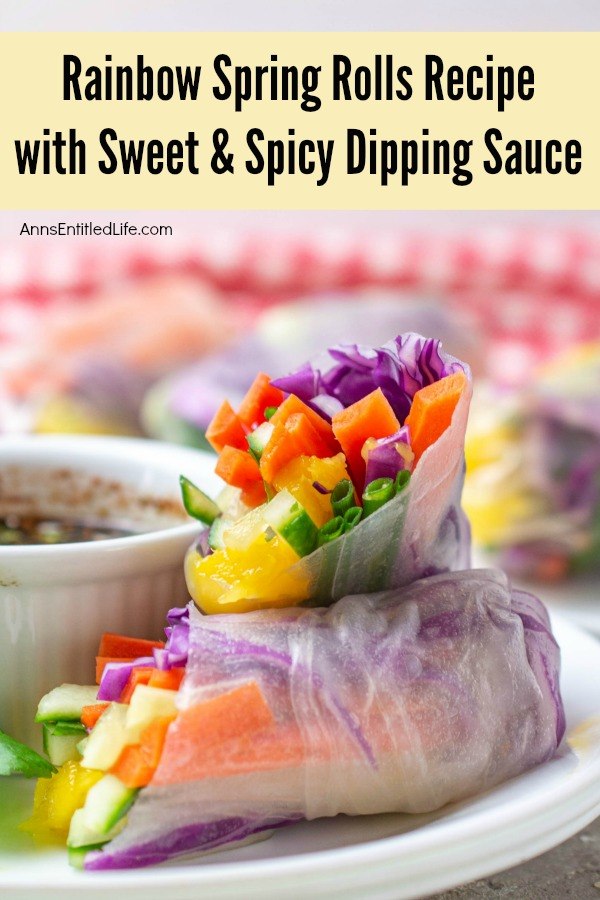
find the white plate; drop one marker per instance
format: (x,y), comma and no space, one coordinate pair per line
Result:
(376,857)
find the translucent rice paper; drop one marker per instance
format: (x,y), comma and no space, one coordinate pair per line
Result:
(422,532)
(400,701)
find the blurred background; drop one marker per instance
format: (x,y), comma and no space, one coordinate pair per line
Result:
(146,336)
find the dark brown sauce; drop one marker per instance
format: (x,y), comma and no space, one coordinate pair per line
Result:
(25,530)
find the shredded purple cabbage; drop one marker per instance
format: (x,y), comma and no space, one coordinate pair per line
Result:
(542,650)
(178,636)
(400,368)
(208,835)
(202,545)
(172,655)
(116,675)
(384,460)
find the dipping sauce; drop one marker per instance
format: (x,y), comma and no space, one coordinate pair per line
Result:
(24,530)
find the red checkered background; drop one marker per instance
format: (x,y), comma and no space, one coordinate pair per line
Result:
(529,291)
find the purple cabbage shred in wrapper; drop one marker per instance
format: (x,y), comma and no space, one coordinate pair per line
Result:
(384,460)
(116,675)
(202,545)
(174,654)
(400,368)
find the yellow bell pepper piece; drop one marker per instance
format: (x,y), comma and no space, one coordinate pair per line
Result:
(234,580)
(57,798)
(298,478)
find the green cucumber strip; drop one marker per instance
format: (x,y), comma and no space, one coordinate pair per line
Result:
(65,702)
(288,518)
(107,738)
(376,494)
(402,479)
(352,517)
(60,747)
(342,497)
(106,803)
(259,438)
(330,531)
(215,535)
(65,727)
(197,504)
(255,456)
(82,837)
(17,759)
(270,412)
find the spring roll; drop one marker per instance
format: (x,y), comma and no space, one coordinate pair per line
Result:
(400,701)
(343,477)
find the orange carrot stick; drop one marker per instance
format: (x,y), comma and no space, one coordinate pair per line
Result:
(170,679)
(237,467)
(371,417)
(293,405)
(431,411)
(137,763)
(90,714)
(294,437)
(153,740)
(199,731)
(119,645)
(254,494)
(139,675)
(131,767)
(260,395)
(226,428)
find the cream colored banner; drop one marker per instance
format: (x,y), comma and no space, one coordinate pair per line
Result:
(511,123)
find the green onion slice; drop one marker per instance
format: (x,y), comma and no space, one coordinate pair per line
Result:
(342,497)
(402,479)
(330,531)
(352,517)
(376,494)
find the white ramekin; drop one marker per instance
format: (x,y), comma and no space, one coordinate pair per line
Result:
(55,601)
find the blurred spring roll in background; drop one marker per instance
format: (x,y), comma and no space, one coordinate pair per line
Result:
(181,406)
(533,485)
(344,476)
(399,701)
(85,366)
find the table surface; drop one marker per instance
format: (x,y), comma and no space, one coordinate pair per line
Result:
(568,872)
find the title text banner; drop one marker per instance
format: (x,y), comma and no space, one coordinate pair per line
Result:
(300,121)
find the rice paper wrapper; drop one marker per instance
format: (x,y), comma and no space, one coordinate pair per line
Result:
(400,701)
(423,531)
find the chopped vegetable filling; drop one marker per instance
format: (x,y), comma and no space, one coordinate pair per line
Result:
(387,406)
